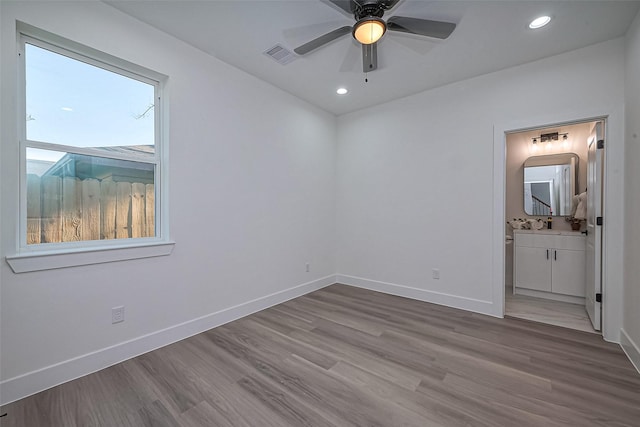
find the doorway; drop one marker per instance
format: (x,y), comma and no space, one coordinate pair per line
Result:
(552,267)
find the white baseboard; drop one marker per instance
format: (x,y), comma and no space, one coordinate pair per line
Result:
(469,304)
(33,382)
(550,296)
(630,348)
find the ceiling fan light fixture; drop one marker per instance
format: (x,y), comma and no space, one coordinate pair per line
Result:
(369,30)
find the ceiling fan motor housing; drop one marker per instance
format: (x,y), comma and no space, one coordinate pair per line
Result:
(369,8)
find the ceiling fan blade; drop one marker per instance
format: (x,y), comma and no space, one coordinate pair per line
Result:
(369,57)
(346,5)
(422,27)
(322,40)
(389,4)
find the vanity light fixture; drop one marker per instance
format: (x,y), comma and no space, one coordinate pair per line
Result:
(549,138)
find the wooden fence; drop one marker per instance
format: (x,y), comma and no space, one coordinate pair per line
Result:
(69,209)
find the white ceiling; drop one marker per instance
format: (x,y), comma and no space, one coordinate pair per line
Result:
(491,35)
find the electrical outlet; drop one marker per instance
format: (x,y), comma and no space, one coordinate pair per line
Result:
(435,273)
(307,267)
(117,314)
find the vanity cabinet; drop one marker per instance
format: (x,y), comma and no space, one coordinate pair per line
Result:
(549,264)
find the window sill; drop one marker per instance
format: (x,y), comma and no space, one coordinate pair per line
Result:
(27,262)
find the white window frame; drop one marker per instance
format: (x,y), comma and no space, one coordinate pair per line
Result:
(46,256)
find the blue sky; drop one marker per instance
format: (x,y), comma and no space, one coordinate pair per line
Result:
(73,103)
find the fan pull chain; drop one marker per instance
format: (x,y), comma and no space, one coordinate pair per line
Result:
(366,77)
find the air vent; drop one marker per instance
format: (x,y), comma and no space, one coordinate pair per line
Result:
(280,54)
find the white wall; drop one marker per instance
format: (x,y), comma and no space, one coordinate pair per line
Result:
(252,184)
(420,180)
(631,323)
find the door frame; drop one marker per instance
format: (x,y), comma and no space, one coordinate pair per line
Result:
(612,209)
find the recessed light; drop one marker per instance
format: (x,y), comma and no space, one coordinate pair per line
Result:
(539,22)
(342,91)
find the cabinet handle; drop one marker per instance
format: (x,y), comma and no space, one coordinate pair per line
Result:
(547,253)
(555,255)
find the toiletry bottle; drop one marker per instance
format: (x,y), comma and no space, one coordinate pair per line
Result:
(549,223)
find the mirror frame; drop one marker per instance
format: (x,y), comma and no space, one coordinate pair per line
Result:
(552,160)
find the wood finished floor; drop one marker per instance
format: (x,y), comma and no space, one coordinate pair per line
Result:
(557,313)
(344,356)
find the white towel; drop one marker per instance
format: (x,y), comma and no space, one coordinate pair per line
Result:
(574,205)
(581,208)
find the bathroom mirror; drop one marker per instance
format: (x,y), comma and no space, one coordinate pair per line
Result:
(549,184)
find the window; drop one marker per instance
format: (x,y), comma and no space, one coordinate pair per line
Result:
(91,149)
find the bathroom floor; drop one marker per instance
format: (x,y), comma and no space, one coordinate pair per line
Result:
(541,310)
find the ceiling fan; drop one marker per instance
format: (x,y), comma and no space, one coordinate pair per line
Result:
(370,27)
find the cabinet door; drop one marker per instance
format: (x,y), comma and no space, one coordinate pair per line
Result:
(568,272)
(533,268)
